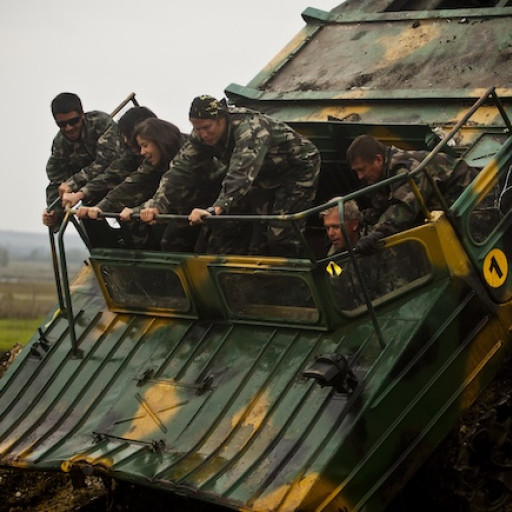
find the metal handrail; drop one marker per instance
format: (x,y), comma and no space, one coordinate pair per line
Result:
(130,97)
(65,284)
(295,218)
(60,269)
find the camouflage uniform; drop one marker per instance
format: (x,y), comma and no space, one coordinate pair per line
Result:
(270,169)
(96,188)
(132,192)
(189,183)
(135,189)
(79,161)
(395,208)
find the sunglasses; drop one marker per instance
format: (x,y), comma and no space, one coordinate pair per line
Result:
(72,122)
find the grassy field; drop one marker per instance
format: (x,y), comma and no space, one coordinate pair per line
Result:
(26,299)
(27,295)
(17,330)
(23,306)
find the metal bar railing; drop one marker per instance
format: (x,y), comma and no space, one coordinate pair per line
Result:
(362,280)
(130,97)
(55,260)
(59,262)
(65,284)
(294,218)
(503,113)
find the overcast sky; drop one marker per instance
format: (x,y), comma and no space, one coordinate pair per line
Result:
(165,51)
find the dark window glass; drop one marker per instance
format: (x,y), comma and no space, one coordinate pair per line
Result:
(485,216)
(384,273)
(269,297)
(142,287)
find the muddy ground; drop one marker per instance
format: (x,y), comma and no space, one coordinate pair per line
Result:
(28,491)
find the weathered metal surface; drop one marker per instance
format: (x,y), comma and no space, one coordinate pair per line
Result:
(375,63)
(219,410)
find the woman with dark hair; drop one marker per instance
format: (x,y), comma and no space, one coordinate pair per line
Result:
(158,142)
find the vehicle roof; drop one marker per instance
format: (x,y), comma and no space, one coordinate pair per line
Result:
(362,60)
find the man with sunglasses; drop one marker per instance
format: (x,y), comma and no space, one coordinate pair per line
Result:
(87,143)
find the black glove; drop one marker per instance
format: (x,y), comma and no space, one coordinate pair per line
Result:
(370,243)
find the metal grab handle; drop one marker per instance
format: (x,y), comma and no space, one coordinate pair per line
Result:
(130,97)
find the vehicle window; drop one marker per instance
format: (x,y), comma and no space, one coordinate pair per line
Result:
(139,287)
(384,273)
(485,216)
(269,297)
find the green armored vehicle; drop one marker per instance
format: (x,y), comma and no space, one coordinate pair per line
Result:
(260,383)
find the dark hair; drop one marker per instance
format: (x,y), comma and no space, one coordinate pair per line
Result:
(66,102)
(165,135)
(366,148)
(130,119)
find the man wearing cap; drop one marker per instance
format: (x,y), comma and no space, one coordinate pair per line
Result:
(269,169)
(85,146)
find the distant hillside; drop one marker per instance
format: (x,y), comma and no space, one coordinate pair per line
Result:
(37,245)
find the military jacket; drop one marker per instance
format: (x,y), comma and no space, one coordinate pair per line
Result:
(79,161)
(135,189)
(258,150)
(396,207)
(113,175)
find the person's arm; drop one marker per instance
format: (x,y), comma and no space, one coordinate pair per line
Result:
(188,169)
(113,175)
(102,139)
(58,169)
(404,210)
(134,190)
(71,198)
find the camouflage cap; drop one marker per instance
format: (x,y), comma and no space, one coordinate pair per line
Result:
(206,107)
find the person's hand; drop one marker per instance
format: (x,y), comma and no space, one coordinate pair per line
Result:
(63,188)
(93,212)
(197,216)
(126,214)
(83,212)
(148,214)
(71,198)
(49,218)
(370,243)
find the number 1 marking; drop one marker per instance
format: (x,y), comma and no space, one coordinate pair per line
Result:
(495,268)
